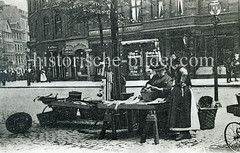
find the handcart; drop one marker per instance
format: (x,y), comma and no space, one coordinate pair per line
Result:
(66,109)
(232,130)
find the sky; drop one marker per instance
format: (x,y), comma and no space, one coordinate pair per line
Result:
(21,4)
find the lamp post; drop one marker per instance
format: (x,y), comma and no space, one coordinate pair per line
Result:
(115,48)
(214,10)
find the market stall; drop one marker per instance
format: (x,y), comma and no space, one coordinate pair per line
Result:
(111,108)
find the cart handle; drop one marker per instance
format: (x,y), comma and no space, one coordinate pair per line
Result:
(44,109)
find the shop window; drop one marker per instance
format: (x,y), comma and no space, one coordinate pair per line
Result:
(179,7)
(136,10)
(157,9)
(58,25)
(81,62)
(135,60)
(46,29)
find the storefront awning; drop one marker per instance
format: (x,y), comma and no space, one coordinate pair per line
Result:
(141,41)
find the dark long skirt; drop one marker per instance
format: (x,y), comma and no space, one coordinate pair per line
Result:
(180,108)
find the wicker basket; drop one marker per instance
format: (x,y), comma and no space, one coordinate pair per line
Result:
(19,122)
(207,118)
(148,95)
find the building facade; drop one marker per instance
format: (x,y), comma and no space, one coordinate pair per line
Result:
(7,45)
(15,38)
(148,28)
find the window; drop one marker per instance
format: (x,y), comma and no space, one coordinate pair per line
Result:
(225,6)
(180,7)
(15,47)
(136,10)
(58,25)
(157,9)
(34,6)
(46,28)
(81,28)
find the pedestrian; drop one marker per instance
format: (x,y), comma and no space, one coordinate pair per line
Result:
(227,64)
(183,116)
(4,77)
(8,75)
(29,76)
(14,75)
(43,77)
(49,75)
(37,75)
(234,65)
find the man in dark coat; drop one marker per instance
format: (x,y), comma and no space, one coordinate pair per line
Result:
(49,75)
(37,75)
(4,77)
(228,67)
(29,76)
(161,83)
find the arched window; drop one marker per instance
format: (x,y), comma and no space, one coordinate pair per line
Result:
(46,28)
(58,25)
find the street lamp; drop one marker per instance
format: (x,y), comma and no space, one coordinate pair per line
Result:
(214,10)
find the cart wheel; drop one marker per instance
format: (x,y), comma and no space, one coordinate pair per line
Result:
(18,122)
(232,136)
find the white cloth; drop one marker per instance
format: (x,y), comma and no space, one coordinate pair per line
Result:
(195,125)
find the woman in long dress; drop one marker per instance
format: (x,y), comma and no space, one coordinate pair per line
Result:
(183,116)
(43,77)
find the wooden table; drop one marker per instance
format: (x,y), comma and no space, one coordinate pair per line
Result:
(111,111)
(69,104)
(130,107)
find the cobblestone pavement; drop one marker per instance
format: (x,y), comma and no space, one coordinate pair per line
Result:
(39,139)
